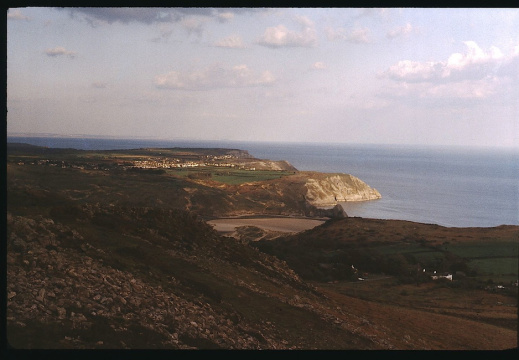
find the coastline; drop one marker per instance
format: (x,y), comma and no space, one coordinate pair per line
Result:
(426,185)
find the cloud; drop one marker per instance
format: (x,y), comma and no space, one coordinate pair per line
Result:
(193,25)
(510,66)
(474,57)
(358,35)
(304,21)
(466,89)
(474,75)
(165,33)
(318,66)
(454,94)
(373,12)
(60,51)
(414,71)
(400,31)
(150,15)
(225,16)
(233,42)
(126,15)
(474,64)
(147,15)
(279,36)
(16,14)
(214,77)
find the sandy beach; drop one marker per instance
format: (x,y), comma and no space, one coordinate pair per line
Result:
(282,224)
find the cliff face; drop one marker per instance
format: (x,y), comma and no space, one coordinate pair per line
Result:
(304,193)
(328,189)
(261,164)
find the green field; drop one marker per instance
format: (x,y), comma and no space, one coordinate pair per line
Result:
(498,261)
(499,269)
(484,249)
(229,175)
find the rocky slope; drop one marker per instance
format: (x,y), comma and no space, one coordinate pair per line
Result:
(105,277)
(126,278)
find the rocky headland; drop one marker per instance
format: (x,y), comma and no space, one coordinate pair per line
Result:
(329,189)
(211,182)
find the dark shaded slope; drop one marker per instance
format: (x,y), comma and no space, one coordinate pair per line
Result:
(132,277)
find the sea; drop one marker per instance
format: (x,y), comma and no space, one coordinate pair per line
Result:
(447,186)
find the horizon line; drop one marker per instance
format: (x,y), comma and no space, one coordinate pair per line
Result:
(310,142)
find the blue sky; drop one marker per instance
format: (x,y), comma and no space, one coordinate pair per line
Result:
(379,76)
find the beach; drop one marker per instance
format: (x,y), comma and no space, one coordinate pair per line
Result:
(281,224)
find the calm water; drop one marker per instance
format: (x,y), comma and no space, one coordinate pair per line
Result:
(446,186)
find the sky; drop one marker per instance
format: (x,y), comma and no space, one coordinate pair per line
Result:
(445,76)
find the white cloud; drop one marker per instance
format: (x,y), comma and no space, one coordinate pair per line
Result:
(357,35)
(225,16)
(280,36)
(412,71)
(474,75)
(214,77)
(60,51)
(474,64)
(304,21)
(16,14)
(400,31)
(475,56)
(319,65)
(233,41)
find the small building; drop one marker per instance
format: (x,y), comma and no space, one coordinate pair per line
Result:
(444,276)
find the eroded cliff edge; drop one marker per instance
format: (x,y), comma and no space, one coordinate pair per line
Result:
(327,189)
(305,193)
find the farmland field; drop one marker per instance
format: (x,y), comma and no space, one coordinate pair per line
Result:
(498,261)
(228,175)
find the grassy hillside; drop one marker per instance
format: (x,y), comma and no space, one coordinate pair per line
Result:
(400,248)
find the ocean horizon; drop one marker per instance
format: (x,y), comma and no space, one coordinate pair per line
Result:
(450,186)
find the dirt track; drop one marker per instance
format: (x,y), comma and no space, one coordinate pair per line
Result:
(273,224)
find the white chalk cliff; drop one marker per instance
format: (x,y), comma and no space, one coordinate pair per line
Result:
(328,189)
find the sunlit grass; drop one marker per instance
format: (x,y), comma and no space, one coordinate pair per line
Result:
(228,175)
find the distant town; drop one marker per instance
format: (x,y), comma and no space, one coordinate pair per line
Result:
(148,163)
